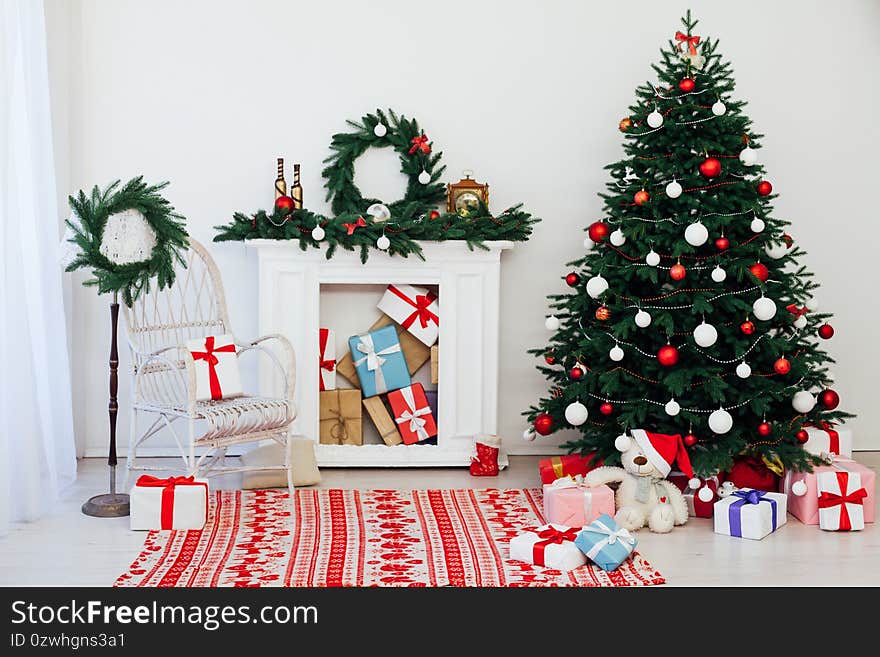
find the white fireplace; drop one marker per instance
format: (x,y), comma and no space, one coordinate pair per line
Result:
(467,389)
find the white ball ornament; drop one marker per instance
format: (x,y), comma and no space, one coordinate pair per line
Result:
(776,250)
(743,370)
(551,323)
(764,308)
(719,108)
(803,401)
(529,435)
(673,189)
(643,319)
(617,238)
(383,242)
(576,414)
(748,156)
(622,443)
(720,421)
(380,130)
(596,286)
(694,483)
(672,408)
(799,488)
(696,234)
(379,212)
(655,119)
(705,494)
(705,335)
(588,243)
(317,233)
(800,322)
(757,225)
(616,353)
(424,177)
(812,304)
(653,258)
(718,274)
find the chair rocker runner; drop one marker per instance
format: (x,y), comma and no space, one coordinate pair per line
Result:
(164,377)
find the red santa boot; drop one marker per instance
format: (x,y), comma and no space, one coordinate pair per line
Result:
(485,463)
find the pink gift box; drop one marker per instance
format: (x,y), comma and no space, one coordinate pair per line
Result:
(570,503)
(806,507)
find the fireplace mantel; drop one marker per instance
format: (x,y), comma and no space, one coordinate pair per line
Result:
(290,286)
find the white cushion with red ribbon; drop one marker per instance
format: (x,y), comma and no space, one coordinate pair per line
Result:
(416,309)
(216,363)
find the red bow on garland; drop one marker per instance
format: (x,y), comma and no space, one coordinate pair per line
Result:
(208,355)
(828,499)
(794,310)
(420,144)
(350,228)
(691,41)
(550,536)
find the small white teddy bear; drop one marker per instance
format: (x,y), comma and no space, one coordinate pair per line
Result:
(644,496)
(726,489)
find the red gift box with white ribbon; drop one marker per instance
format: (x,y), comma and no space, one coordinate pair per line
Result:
(326,359)
(412,414)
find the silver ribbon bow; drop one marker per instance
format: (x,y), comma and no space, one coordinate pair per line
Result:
(374,359)
(611,537)
(416,423)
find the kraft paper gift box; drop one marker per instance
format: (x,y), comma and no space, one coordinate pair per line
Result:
(841,499)
(172,503)
(567,501)
(379,361)
(415,353)
(749,513)
(696,507)
(828,440)
(339,420)
(412,414)
(385,424)
(605,543)
(435,364)
(551,546)
(555,467)
(415,309)
(806,507)
(216,366)
(326,359)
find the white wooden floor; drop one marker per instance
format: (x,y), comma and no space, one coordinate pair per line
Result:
(67,548)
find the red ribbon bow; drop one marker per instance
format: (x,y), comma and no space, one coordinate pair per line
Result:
(419,144)
(794,310)
(208,355)
(691,41)
(350,228)
(421,308)
(324,364)
(168,485)
(828,499)
(550,536)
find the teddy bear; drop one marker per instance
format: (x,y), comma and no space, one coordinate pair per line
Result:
(644,496)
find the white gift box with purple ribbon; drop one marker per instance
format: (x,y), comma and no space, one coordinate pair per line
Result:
(749,513)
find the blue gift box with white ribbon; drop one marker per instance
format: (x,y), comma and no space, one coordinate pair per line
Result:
(379,361)
(605,543)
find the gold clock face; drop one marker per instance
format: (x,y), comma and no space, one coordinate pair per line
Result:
(467,201)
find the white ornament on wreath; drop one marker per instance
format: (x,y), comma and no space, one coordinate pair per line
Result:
(696,234)
(127,238)
(718,274)
(576,414)
(424,177)
(596,286)
(617,238)
(720,421)
(674,189)
(764,308)
(317,233)
(380,130)
(379,212)
(383,243)
(643,318)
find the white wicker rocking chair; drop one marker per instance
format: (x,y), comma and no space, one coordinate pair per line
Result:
(164,379)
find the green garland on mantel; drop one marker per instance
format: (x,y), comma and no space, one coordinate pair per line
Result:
(414,218)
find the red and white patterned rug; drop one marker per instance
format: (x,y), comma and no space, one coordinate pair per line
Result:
(363,538)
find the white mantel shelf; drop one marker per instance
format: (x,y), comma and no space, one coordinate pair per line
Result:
(467,393)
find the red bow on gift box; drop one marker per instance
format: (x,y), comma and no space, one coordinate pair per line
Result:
(324,364)
(550,536)
(168,485)
(421,303)
(828,499)
(691,41)
(208,355)
(350,228)
(420,144)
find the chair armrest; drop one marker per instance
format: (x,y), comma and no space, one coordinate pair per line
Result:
(287,369)
(162,391)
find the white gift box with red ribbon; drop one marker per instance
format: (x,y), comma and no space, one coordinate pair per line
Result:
(216,363)
(829,439)
(841,501)
(551,546)
(326,359)
(415,309)
(170,503)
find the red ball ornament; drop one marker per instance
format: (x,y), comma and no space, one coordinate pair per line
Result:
(544,423)
(667,355)
(759,270)
(598,231)
(788,239)
(782,366)
(677,272)
(687,85)
(641,197)
(764,429)
(572,279)
(576,373)
(605,408)
(722,243)
(603,314)
(802,436)
(829,399)
(747,327)
(690,440)
(550,359)
(434,214)
(710,167)
(764,188)
(826,331)
(284,203)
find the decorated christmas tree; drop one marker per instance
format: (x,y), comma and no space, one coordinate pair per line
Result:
(689,313)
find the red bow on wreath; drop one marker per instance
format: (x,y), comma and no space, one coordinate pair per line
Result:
(794,310)
(350,228)
(691,41)
(420,144)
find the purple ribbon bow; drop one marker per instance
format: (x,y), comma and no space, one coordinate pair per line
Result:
(747,497)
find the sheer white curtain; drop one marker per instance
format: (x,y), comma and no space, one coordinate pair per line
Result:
(37,453)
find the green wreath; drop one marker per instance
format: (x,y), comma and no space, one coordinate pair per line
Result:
(86,230)
(417,163)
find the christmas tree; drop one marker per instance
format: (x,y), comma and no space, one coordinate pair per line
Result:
(688,314)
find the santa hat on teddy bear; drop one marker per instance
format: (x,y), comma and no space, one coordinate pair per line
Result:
(662,451)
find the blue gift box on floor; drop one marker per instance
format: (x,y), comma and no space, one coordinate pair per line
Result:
(605,543)
(379,361)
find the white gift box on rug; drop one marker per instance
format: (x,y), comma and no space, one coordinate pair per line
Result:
(749,513)
(326,359)
(828,440)
(415,309)
(170,503)
(216,365)
(841,501)
(551,546)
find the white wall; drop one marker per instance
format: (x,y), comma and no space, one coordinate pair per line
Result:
(527,94)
